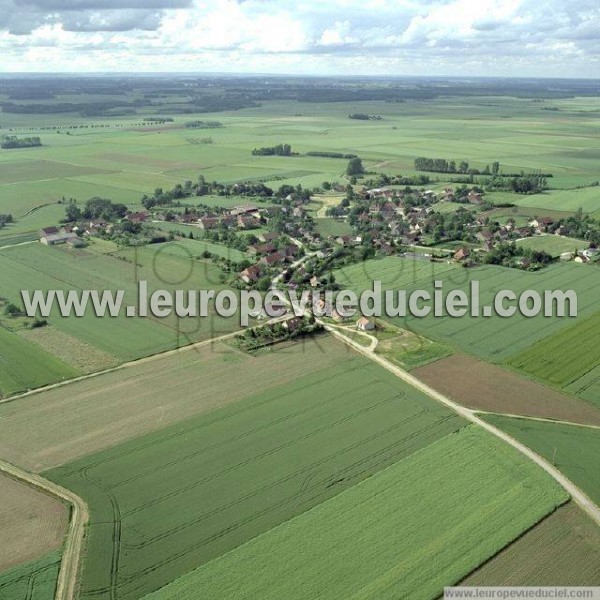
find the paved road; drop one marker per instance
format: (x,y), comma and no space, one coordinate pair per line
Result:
(576,493)
(69,566)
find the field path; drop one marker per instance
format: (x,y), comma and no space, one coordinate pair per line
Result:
(69,566)
(576,493)
(17,245)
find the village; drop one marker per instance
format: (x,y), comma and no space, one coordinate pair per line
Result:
(384,221)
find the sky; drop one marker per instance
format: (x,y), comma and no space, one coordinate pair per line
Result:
(516,38)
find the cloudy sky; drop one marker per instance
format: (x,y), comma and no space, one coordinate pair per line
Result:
(546,38)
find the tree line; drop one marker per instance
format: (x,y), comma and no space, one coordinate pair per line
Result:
(12,141)
(278,150)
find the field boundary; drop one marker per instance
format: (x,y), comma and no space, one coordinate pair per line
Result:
(542,419)
(72,552)
(576,493)
(125,365)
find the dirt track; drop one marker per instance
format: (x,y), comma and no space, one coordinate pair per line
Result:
(576,493)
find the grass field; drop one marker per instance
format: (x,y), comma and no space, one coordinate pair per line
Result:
(53,427)
(332,227)
(588,199)
(405,348)
(35,580)
(574,450)
(168,502)
(423,523)
(122,163)
(562,550)
(484,386)
(565,357)
(168,266)
(23,365)
(552,244)
(32,523)
(492,338)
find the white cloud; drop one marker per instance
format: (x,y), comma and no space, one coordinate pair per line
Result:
(437,37)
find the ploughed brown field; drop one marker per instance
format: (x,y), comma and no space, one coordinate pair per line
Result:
(483,386)
(564,549)
(32,523)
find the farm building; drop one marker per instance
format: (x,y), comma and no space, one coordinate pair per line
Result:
(365,324)
(61,238)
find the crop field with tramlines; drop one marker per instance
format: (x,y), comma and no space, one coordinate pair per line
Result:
(34,580)
(170,501)
(573,449)
(565,358)
(492,338)
(564,549)
(424,522)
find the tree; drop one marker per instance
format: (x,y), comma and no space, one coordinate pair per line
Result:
(355,167)
(72,213)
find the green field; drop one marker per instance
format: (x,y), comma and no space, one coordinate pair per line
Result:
(588,199)
(332,227)
(122,163)
(23,365)
(552,244)
(190,249)
(168,266)
(566,357)
(564,549)
(573,449)
(492,338)
(35,580)
(423,523)
(163,504)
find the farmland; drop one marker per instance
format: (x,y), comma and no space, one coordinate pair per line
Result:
(564,549)
(492,338)
(51,427)
(399,534)
(552,244)
(122,163)
(31,522)
(163,266)
(484,386)
(305,469)
(35,580)
(24,365)
(170,501)
(566,357)
(588,199)
(574,450)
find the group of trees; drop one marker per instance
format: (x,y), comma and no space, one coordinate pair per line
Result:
(159,120)
(355,167)
(95,208)
(330,154)
(253,339)
(278,150)
(442,165)
(446,227)
(204,124)
(508,254)
(12,141)
(365,117)
(5,219)
(581,226)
